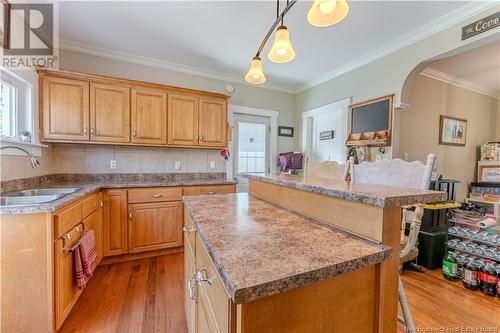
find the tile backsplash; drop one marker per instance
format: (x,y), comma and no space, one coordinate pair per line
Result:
(69,158)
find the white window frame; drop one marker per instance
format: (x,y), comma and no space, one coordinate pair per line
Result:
(23,115)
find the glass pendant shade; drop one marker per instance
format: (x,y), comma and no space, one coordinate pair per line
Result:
(282,50)
(255,74)
(327,12)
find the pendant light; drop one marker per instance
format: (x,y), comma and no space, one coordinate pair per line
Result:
(255,74)
(327,12)
(282,50)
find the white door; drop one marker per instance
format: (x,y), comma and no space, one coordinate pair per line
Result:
(251,144)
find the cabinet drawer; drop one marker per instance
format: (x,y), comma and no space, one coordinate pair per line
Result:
(214,189)
(90,204)
(213,296)
(189,232)
(67,218)
(155,194)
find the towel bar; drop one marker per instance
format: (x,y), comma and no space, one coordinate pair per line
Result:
(67,236)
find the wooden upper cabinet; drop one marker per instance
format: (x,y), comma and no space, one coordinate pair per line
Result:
(182,120)
(109,113)
(149,116)
(65,109)
(212,122)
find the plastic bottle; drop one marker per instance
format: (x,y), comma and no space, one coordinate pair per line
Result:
(471,276)
(488,278)
(450,267)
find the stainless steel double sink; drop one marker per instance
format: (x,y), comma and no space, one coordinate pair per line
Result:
(35,196)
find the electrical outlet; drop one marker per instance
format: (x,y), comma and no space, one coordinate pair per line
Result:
(112,164)
(212,164)
(378,157)
(177,165)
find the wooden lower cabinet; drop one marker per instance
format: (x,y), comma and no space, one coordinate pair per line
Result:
(154,226)
(190,295)
(115,222)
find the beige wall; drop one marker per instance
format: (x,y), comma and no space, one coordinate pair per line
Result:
(419,127)
(498,121)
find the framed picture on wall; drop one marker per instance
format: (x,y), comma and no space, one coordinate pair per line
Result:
(452,131)
(285,131)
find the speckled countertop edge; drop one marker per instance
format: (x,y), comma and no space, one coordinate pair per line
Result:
(367,198)
(240,296)
(87,188)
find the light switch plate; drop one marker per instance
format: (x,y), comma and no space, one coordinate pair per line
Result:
(112,164)
(212,164)
(177,165)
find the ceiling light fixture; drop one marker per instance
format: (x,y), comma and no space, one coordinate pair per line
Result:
(282,50)
(322,13)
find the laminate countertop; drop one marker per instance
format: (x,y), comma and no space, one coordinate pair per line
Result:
(260,249)
(371,194)
(85,188)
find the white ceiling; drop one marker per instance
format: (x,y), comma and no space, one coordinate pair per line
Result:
(480,66)
(221,37)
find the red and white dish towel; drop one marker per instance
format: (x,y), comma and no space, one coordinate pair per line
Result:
(85,259)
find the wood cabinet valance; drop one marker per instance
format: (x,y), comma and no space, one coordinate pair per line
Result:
(87,108)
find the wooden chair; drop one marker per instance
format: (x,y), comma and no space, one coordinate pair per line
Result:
(400,173)
(328,169)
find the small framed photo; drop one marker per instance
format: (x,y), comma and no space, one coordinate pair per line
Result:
(452,131)
(285,131)
(488,172)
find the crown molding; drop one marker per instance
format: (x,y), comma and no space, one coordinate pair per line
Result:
(69,45)
(458,15)
(459,82)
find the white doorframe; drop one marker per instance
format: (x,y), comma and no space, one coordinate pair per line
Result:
(307,121)
(273,135)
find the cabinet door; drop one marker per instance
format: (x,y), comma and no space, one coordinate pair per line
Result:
(213,122)
(155,226)
(92,223)
(115,222)
(189,272)
(109,113)
(66,289)
(182,120)
(149,116)
(65,108)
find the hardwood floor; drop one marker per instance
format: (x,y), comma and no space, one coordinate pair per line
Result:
(147,296)
(137,296)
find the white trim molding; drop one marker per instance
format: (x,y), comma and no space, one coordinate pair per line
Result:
(132,58)
(273,135)
(459,82)
(454,17)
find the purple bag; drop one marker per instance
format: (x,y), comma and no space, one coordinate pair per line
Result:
(290,161)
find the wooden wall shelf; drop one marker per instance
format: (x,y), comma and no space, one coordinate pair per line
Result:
(379,138)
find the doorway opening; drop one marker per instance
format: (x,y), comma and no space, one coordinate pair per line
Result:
(325,132)
(251,144)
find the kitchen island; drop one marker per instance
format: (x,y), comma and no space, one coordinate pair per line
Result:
(295,255)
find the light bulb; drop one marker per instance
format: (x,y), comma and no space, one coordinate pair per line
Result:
(282,50)
(327,6)
(327,12)
(255,74)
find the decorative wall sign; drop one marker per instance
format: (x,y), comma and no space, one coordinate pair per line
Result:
(327,135)
(488,172)
(452,131)
(480,26)
(285,131)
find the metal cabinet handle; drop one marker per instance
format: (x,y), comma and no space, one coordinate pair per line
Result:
(191,290)
(86,131)
(202,138)
(211,192)
(92,131)
(130,215)
(101,203)
(201,276)
(134,133)
(156,195)
(187,229)
(197,139)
